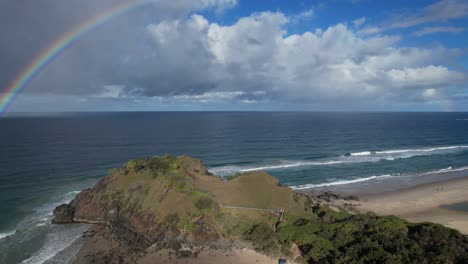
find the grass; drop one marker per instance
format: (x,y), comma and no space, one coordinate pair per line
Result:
(178,193)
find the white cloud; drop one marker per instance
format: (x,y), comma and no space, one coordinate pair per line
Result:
(199,60)
(113,91)
(441,11)
(423,77)
(359,22)
(117,91)
(302,16)
(210,96)
(220,5)
(430,93)
(433,30)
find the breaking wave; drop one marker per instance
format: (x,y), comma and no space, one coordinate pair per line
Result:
(342,182)
(7,234)
(354,157)
(412,152)
(378,177)
(225,170)
(38,223)
(55,242)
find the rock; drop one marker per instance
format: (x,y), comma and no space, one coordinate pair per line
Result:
(351,198)
(63,214)
(295,251)
(328,196)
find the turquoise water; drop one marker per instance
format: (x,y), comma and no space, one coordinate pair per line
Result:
(45,161)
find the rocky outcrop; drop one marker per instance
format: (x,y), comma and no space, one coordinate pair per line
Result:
(63,214)
(175,203)
(137,200)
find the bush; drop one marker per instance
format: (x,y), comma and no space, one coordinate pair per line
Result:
(204,203)
(155,165)
(263,237)
(363,238)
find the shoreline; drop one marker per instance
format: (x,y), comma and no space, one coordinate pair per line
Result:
(421,203)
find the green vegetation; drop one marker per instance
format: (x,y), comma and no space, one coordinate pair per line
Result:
(155,165)
(363,239)
(179,195)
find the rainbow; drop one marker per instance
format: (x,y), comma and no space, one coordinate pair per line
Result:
(54,50)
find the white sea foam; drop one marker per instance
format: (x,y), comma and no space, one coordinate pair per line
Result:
(364,153)
(355,157)
(341,182)
(39,221)
(7,234)
(72,193)
(56,242)
(290,165)
(415,152)
(446,170)
(225,170)
(379,177)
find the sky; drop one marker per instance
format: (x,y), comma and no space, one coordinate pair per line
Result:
(240,55)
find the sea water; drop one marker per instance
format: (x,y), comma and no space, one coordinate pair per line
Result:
(46,160)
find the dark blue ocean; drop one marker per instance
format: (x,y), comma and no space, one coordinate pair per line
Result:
(47,160)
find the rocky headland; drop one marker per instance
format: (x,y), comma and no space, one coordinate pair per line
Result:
(171,209)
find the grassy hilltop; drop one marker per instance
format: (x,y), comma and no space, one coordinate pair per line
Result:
(162,201)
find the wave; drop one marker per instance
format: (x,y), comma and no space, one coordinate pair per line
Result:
(364,153)
(43,214)
(414,151)
(379,177)
(291,165)
(7,234)
(55,243)
(225,170)
(446,170)
(32,228)
(341,182)
(354,157)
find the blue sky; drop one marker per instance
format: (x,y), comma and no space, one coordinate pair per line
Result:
(340,55)
(326,13)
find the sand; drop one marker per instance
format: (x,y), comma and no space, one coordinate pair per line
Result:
(422,203)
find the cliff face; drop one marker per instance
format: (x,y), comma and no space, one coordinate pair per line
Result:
(164,201)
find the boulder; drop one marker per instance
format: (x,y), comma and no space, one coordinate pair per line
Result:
(63,214)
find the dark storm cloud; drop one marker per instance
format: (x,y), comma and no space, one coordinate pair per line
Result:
(30,26)
(113,52)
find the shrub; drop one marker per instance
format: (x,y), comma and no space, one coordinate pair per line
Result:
(204,203)
(263,237)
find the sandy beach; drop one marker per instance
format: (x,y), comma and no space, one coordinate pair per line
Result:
(422,203)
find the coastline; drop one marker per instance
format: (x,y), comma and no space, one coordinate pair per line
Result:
(422,203)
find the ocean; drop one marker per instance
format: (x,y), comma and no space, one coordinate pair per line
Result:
(45,160)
